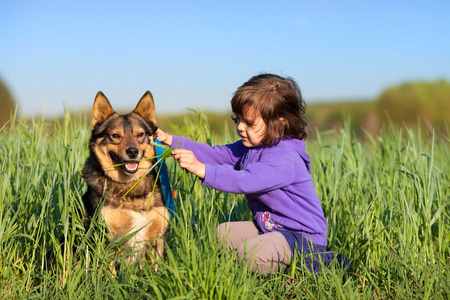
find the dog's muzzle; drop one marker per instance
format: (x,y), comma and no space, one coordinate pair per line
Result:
(129,166)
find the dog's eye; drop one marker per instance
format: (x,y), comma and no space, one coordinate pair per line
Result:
(140,134)
(115,136)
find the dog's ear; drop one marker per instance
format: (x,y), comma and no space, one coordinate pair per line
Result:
(146,107)
(102,109)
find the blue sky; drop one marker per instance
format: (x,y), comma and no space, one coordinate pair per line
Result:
(194,54)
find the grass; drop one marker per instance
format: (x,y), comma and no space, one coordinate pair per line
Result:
(387,201)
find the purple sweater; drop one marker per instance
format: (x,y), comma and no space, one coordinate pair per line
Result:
(275,180)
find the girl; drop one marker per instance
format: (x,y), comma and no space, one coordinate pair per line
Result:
(270,166)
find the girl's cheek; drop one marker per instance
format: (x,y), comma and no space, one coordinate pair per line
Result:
(260,130)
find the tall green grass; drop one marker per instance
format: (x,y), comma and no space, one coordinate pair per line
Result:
(386,201)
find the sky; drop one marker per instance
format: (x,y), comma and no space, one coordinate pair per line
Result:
(56,55)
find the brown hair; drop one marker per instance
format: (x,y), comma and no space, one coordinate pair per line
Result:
(280,103)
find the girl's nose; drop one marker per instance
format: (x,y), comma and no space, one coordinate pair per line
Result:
(240,125)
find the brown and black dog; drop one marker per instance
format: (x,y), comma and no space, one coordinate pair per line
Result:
(118,147)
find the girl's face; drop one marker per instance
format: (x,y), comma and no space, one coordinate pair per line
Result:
(250,127)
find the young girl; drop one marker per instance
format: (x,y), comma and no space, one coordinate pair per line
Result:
(270,166)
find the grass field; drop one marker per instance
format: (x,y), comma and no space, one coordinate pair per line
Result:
(387,202)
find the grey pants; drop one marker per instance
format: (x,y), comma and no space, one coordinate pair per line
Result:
(263,253)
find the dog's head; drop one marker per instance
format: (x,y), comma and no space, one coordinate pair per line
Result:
(123,140)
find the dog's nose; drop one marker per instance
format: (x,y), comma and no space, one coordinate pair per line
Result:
(132,152)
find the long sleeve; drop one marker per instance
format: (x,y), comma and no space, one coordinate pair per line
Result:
(274,169)
(217,155)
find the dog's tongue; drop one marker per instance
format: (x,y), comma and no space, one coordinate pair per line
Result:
(131,166)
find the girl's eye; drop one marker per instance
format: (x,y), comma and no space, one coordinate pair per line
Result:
(235,119)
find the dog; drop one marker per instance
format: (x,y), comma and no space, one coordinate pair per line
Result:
(120,154)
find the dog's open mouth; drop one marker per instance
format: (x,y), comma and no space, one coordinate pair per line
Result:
(129,168)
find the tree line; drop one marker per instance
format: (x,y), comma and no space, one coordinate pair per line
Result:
(411,104)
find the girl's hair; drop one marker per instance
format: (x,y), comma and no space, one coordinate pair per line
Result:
(280,103)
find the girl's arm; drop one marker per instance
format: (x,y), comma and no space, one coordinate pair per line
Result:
(275,169)
(228,154)
(217,155)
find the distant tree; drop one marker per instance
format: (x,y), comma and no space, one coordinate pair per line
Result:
(424,100)
(360,113)
(7,104)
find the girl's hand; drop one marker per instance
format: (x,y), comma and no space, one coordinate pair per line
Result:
(163,137)
(187,160)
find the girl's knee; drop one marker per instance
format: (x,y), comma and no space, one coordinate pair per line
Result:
(222,236)
(252,260)
(221,231)
(232,234)
(265,255)
(241,252)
